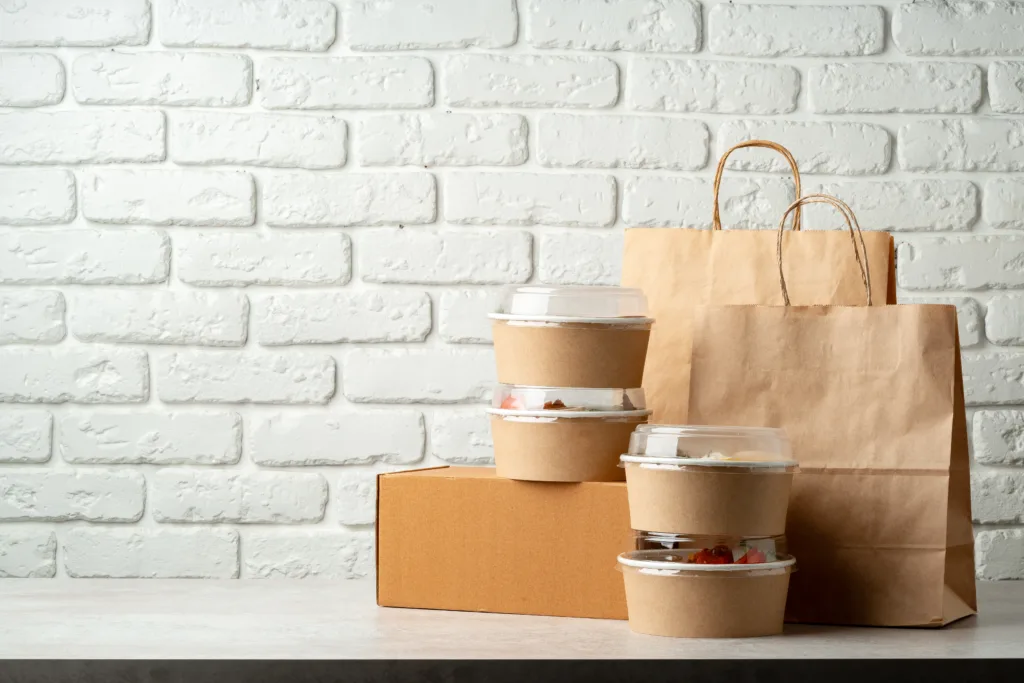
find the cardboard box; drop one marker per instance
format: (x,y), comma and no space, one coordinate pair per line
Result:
(459,538)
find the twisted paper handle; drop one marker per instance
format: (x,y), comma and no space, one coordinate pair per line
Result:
(716,219)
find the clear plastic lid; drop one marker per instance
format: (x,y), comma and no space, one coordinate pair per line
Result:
(714,549)
(710,446)
(582,304)
(511,399)
(676,563)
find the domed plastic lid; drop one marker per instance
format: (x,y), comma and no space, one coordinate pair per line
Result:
(714,549)
(511,399)
(581,304)
(673,562)
(710,446)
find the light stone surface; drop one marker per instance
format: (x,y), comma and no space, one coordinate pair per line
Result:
(151,553)
(25,436)
(928,87)
(274,24)
(37,197)
(820,30)
(30,79)
(233,259)
(427,376)
(218,496)
(227,377)
(82,137)
(572,200)
(309,554)
(668,26)
(203,198)
(83,257)
(689,85)
(355,437)
(443,140)
(478,80)
(622,142)
(998,437)
(92,495)
(28,554)
(462,438)
(304,200)
(345,82)
(32,316)
(843,148)
(331,318)
(77,375)
(78,23)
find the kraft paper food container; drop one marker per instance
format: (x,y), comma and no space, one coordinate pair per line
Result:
(667,595)
(571,336)
(563,434)
(720,548)
(709,480)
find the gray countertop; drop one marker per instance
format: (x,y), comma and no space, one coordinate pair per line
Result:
(310,619)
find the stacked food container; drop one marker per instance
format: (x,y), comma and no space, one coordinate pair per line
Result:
(570,361)
(708,508)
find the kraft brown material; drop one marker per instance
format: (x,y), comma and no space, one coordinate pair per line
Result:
(680,269)
(708,501)
(567,449)
(872,401)
(713,606)
(589,355)
(459,538)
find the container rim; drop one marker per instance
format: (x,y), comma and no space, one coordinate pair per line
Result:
(727,431)
(623,321)
(627,561)
(506,412)
(707,462)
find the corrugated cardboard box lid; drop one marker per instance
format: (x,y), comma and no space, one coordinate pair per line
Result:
(460,538)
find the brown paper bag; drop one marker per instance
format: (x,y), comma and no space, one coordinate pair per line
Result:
(872,399)
(680,269)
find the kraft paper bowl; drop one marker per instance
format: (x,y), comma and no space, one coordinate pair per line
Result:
(563,434)
(668,596)
(709,481)
(571,336)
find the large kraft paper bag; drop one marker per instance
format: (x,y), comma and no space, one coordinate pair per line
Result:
(679,269)
(872,400)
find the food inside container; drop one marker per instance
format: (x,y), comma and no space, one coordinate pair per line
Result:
(571,336)
(668,595)
(563,434)
(709,480)
(713,549)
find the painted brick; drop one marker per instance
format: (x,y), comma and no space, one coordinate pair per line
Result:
(745,203)
(282,140)
(939,27)
(958,263)
(150,438)
(670,26)
(1004,320)
(824,30)
(571,200)
(309,554)
(999,554)
(70,495)
(417,26)
(161,317)
(349,438)
(81,137)
(77,23)
(462,438)
(1006,87)
(463,315)
(164,78)
(151,553)
(355,498)
(85,257)
(841,148)
(995,378)
(1003,203)
(73,375)
(971,144)
(997,496)
(443,140)
(931,87)
(446,257)
(580,258)
(25,436)
(476,80)
(274,24)
(30,79)
(998,437)
(151,197)
(31,316)
(37,197)
(622,142)
(231,259)
(689,85)
(319,200)
(337,317)
(969,316)
(346,82)
(229,377)
(28,554)
(898,205)
(220,496)
(418,376)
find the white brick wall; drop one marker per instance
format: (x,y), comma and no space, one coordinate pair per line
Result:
(247,248)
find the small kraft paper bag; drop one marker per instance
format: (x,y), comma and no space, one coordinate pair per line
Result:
(872,400)
(680,268)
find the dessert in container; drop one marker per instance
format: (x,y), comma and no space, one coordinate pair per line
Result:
(563,434)
(571,336)
(709,480)
(668,595)
(714,549)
